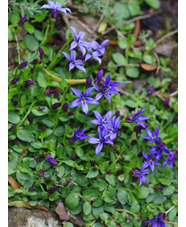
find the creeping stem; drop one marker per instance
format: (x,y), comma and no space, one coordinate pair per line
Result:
(48,35)
(69,81)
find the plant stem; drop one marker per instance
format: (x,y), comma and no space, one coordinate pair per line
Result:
(170,209)
(58,56)
(127,211)
(24,118)
(69,81)
(48,35)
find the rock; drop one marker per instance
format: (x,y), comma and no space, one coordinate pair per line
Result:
(22,217)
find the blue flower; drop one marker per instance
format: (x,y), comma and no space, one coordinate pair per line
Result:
(157,221)
(100,49)
(153,137)
(113,131)
(78,41)
(109,86)
(78,135)
(137,118)
(83,99)
(102,122)
(157,150)
(102,92)
(51,160)
(140,173)
(93,55)
(101,141)
(56,6)
(150,162)
(170,158)
(73,62)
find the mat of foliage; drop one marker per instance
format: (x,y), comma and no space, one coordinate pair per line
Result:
(47,165)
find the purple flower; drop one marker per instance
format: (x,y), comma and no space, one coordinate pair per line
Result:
(150,162)
(23,65)
(14,81)
(99,76)
(151,90)
(78,135)
(102,122)
(41,172)
(56,7)
(78,41)
(93,55)
(88,81)
(102,92)
(56,105)
(166,102)
(100,49)
(22,20)
(51,160)
(109,86)
(115,123)
(47,91)
(30,118)
(140,173)
(65,107)
(73,62)
(83,99)
(157,221)
(136,118)
(157,150)
(52,190)
(102,140)
(28,82)
(153,137)
(41,52)
(170,158)
(73,157)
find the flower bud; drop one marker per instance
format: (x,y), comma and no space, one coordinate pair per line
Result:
(14,81)
(88,81)
(73,157)
(41,173)
(22,65)
(51,160)
(30,118)
(15,102)
(35,61)
(52,190)
(99,76)
(41,108)
(56,105)
(151,90)
(93,163)
(65,107)
(47,91)
(32,188)
(22,20)
(120,171)
(40,50)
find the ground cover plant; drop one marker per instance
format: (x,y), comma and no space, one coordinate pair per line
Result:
(93,113)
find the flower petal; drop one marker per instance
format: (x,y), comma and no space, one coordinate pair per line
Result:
(88,91)
(99,148)
(76,92)
(92,101)
(75,103)
(108,115)
(97,115)
(73,31)
(73,55)
(84,107)
(81,68)
(104,42)
(67,56)
(73,45)
(93,140)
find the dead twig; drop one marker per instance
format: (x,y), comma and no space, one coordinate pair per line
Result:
(166,36)
(101,18)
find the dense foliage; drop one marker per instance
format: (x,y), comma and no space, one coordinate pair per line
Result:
(110,156)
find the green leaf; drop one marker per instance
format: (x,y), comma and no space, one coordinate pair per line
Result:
(82,180)
(47,132)
(111,179)
(72,200)
(91,173)
(159,198)
(132,72)
(153,3)
(101,184)
(134,8)
(39,17)
(142,192)
(130,103)
(68,224)
(59,131)
(86,208)
(42,81)
(122,196)
(10,35)
(172,214)
(29,27)
(37,112)
(13,117)
(36,144)
(108,198)
(15,17)
(164,181)
(98,202)
(64,84)
(91,192)
(38,35)
(121,12)
(25,135)
(168,190)
(122,42)
(30,42)
(97,211)
(119,58)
